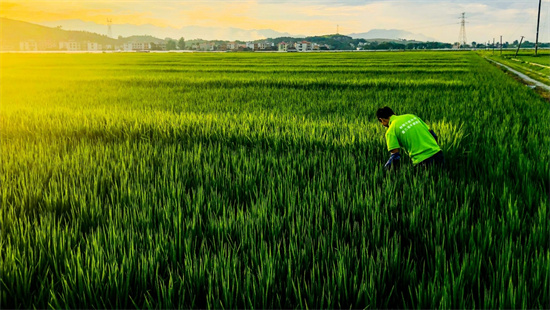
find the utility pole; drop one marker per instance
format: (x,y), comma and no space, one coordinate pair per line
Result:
(493,46)
(337,29)
(538,22)
(519,46)
(500,45)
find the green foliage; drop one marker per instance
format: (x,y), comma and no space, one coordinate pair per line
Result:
(337,41)
(181,43)
(170,45)
(256,181)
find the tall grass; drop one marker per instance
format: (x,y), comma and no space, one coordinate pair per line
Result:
(256,181)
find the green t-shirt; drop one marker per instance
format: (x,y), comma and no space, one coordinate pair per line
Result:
(412,134)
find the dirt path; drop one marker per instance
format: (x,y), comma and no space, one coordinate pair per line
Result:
(523,76)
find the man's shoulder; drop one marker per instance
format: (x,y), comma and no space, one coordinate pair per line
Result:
(391,130)
(399,119)
(408,118)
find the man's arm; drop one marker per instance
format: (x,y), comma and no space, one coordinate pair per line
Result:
(429,129)
(393,147)
(434,135)
(395,159)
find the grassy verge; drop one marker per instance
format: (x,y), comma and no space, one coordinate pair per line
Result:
(536,67)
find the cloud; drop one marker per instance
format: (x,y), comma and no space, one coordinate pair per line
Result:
(433,18)
(41,11)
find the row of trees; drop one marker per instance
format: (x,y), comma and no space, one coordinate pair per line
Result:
(525,44)
(175,45)
(347,43)
(405,46)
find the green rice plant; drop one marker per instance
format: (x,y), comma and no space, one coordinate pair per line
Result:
(257,181)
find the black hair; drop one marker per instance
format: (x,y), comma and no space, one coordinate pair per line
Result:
(384,112)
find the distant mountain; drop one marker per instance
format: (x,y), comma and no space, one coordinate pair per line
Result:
(13,31)
(188,32)
(393,34)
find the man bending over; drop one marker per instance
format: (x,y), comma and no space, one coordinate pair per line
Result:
(409,132)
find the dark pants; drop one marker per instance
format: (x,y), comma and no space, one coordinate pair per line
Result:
(437,160)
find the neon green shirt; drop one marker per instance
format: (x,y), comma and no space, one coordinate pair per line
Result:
(412,134)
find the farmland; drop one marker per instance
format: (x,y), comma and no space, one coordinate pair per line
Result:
(256,181)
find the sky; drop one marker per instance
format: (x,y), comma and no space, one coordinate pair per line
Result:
(485,19)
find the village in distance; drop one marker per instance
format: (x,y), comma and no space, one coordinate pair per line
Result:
(32,37)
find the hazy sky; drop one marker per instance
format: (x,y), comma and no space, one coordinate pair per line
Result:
(438,19)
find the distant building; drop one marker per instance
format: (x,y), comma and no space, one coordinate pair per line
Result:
(207,46)
(253,46)
(232,45)
(70,46)
(303,46)
(136,46)
(265,45)
(282,47)
(93,46)
(30,45)
(48,45)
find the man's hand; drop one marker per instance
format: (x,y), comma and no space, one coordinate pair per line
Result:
(394,159)
(434,135)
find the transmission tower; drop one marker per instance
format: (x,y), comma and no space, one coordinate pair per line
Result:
(462,35)
(109,30)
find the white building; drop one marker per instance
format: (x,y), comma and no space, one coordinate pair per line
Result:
(235,45)
(252,45)
(207,46)
(93,46)
(70,46)
(28,46)
(136,46)
(303,46)
(282,47)
(232,45)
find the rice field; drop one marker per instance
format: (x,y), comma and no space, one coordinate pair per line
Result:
(542,57)
(247,180)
